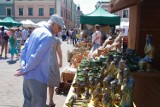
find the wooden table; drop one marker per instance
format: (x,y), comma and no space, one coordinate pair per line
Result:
(146,89)
(71,93)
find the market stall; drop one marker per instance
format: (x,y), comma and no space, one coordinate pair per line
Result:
(100,16)
(9,22)
(101,82)
(143,20)
(98,81)
(42,23)
(29,24)
(146,88)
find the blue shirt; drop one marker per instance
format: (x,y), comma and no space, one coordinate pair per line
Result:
(35,54)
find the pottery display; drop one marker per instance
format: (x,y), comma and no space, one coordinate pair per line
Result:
(105,84)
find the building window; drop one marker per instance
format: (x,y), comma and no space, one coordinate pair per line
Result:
(41,11)
(30,11)
(20,11)
(51,11)
(125,13)
(8,11)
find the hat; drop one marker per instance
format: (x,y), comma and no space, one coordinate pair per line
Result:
(58,20)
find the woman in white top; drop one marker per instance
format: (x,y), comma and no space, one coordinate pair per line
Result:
(96,38)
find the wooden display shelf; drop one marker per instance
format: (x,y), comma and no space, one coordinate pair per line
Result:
(70,92)
(146,89)
(78,105)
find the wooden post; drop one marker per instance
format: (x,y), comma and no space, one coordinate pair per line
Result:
(133,27)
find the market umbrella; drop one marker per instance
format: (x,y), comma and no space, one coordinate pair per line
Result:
(9,22)
(28,23)
(6,28)
(4,23)
(42,23)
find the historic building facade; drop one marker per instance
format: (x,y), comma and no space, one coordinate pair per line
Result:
(79,13)
(124,14)
(67,9)
(6,8)
(40,10)
(35,10)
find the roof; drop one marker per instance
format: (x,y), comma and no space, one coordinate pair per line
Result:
(117,5)
(100,16)
(9,22)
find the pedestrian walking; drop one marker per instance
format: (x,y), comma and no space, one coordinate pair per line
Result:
(74,39)
(68,36)
(35,62)
(25,35)
(18,34)
(12,42)
(96,38)
(54,73)
(4,41)
(63,34)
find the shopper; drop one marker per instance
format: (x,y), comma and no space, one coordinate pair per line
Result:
(74,38)
(4,41)
(35,62)
(18,34)
(12,42)
(25,35)
(96,38)
(54,73)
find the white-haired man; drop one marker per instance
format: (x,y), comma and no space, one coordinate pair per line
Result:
(35,62)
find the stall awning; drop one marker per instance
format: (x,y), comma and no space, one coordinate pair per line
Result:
(9,22)
(100,16)
(117,5)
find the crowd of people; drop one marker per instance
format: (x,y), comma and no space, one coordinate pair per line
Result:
(73,36)
(99,41)
(11,41)
(38,59)
(113,41)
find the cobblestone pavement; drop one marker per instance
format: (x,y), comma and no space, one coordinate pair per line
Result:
(11,86)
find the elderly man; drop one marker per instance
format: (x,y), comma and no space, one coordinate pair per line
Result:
(35,62)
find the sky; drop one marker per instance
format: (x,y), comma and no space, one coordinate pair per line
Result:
(86,6)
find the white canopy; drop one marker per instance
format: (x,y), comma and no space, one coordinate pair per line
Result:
(28,23)
(6,28)
(123,25)
(42,23)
